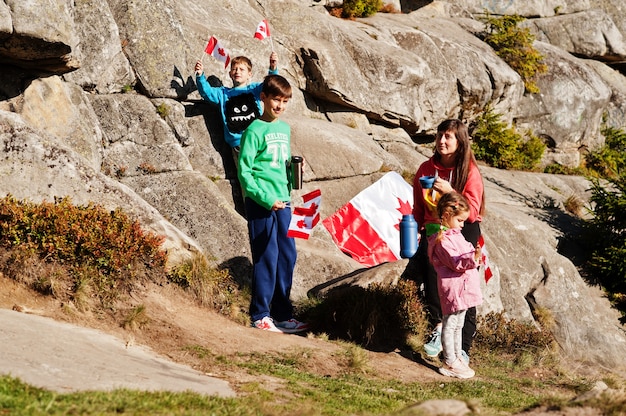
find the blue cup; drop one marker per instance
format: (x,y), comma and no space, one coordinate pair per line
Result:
(427,181)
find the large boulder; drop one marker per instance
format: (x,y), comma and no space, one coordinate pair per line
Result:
(160,53)
(589,34)
(104,67)
(63,111)
(616,110)
(567,113)
(526,8)
(41,35)
(136,138)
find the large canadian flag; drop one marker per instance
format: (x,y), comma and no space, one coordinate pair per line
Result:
(368,227)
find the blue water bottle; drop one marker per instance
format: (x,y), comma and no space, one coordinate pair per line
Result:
(408,236)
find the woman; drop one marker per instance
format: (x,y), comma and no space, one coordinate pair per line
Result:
(455,169)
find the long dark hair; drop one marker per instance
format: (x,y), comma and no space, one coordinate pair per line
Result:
(464,154)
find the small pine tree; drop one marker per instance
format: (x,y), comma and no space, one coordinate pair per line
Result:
(515,46)
(607,235)
(502,147)
(610,160)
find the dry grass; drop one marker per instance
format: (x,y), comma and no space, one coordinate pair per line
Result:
(574,205)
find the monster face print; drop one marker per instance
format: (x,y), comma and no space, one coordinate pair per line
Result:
(241,110)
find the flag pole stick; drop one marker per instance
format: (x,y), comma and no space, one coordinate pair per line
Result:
(270,36)
(203,52)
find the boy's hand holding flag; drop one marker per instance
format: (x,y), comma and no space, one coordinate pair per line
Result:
(215,49)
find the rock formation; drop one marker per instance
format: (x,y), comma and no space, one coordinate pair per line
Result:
(98,103)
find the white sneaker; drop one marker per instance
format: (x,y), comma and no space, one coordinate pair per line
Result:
(457,369)
(266,324)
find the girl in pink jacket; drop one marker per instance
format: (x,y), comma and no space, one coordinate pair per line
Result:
(456,262)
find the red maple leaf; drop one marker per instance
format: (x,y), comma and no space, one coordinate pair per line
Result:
(404,208)
(221,51)
(301,224)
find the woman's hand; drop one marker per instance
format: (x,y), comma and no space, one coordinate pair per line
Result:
(442,186)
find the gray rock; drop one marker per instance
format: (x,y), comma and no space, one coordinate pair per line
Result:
(43,36)
(567,113)
(526,8)
(104,68)
(590,34)
(137,140)
(68,358)
(444,407)
(62,110)
(368,94)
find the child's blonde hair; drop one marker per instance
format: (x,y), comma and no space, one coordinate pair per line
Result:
(241,60)
(452,203)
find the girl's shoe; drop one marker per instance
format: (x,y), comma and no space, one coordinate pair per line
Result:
(433,346)
(457,369)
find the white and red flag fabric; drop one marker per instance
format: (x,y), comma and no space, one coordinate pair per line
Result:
(368,227)
(262,30)
(305,217)
(215,49)
(485,259)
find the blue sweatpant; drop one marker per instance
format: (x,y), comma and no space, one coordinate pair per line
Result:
(273,259)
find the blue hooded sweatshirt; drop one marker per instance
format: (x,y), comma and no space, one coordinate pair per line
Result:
(239,106)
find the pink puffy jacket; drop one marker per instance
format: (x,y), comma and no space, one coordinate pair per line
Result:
(457,271)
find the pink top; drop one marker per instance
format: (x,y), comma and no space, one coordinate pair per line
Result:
(426,213)
(458,281)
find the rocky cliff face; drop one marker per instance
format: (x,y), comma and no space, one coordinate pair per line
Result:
(81,83)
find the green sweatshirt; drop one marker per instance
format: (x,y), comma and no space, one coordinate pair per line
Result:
(265,148)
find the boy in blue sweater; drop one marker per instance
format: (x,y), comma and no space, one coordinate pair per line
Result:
(239,105)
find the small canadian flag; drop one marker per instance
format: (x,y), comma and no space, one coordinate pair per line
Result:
(262,30)
(215,49)
(305,217)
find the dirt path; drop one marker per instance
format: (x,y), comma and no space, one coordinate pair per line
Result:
(176,328)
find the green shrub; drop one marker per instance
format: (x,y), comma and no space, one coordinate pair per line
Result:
(81,250)
(361,8)
(501,146)
(558,169)
(495,332)
(163,110)
(606,235)
(515,46)
(376,317)
(609,162)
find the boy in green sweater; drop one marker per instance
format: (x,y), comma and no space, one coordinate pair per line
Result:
(265,150)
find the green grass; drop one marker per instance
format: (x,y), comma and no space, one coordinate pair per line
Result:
(503,385)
